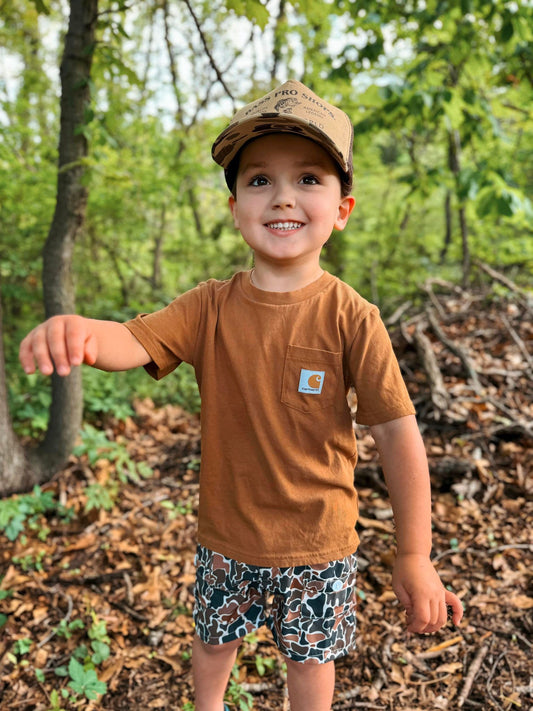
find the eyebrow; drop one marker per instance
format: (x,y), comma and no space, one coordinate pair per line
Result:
(299,164)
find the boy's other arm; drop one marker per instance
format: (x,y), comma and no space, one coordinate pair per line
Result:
(415,580)
(68,340)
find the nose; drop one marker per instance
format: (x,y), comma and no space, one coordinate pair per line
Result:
(284,195)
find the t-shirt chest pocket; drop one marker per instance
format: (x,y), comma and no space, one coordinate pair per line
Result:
(311,378)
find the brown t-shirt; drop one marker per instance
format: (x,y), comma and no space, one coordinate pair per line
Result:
(278,446)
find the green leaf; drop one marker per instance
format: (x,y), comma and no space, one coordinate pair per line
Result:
(41,7)
(22,646)
(76,671)
(254,10)
(86,682)
(507,31)
(101,652)
(15,526)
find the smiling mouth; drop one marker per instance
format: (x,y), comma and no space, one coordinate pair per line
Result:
(284,225)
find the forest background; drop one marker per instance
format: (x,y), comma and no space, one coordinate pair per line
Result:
(439,93)
(440,97)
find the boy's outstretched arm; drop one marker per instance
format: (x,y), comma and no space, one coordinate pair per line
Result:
(69,340)
(414,580)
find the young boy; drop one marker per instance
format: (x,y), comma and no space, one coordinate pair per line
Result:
(275,351)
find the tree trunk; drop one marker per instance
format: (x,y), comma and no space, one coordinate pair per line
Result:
(454,161)
(69,216)
(15,471)
(448,229)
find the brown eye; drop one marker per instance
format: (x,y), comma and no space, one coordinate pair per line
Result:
(310,180)
(258,181)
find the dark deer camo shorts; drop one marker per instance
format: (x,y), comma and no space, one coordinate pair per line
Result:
(310,609)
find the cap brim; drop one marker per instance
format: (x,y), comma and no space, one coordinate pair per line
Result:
(236,135)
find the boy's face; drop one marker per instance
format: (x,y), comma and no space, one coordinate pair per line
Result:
(288,199)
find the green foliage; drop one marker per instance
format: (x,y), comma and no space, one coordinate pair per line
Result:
(177,509)
(236,695)
(416,78)
(30,561)
(55,702)
(30,401)
(254,10)
(81,669)
(100,496)
(66,629)
(95,445)
(22,646)
(85,682)
(18,512)
(264,665)
(3,595)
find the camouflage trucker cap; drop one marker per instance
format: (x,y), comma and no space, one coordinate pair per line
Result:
(291,108)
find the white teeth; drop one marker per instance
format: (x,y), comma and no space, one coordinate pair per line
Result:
(284,225)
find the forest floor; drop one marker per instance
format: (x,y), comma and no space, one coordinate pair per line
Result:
(123,577)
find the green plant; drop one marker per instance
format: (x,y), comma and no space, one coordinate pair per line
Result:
(65,629)
(27,510)
(55,703)
(106,394)
(30,562)
(100,496)
(29,401)
(264,665)
(22,646)
(179,509)
(95,445)
(84,681)
(3,595)
(100,640)
(236,695)
(81,667)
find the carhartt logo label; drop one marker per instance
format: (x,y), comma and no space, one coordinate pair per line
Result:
(311,381)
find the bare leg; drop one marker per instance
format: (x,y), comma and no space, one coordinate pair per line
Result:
(211,667)
(311,686)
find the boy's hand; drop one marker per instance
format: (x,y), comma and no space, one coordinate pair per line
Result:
(61,341)
(421,592)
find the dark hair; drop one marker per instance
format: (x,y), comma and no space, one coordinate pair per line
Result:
(230,174)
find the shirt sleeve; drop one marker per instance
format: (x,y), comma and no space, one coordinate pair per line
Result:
(379,386)
(170,334)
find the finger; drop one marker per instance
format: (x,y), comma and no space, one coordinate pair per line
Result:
(403,597)
(421,616)
(91,350)
(75,339)
(26,355)
(55,333)
(455,607)
(443,615)
(405,601)
(38,347)
(438,615)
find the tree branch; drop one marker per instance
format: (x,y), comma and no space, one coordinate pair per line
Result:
(209,55)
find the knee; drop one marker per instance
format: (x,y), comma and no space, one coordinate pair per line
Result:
(310,667)
(299,667)
(215,650)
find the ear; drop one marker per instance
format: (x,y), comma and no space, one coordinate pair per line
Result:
(233,209)
(346,206)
